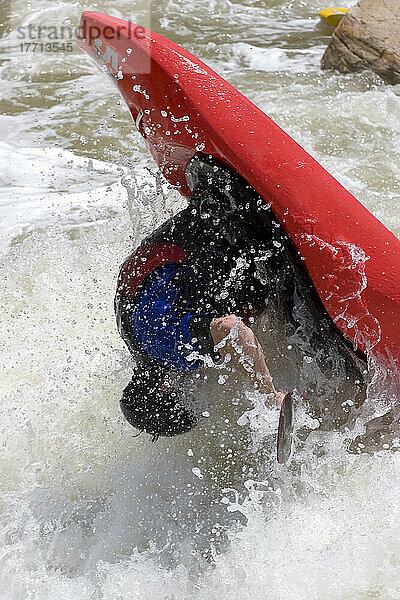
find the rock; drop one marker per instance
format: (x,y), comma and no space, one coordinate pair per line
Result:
(368,37)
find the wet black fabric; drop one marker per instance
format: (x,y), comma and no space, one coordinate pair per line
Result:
(224,240)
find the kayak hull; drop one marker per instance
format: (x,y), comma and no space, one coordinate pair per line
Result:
(182,107)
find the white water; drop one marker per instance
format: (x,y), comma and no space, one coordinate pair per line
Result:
(87,509)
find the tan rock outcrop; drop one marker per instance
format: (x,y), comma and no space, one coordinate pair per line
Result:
(368,37)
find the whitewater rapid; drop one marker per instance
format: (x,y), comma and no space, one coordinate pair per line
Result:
(88,510)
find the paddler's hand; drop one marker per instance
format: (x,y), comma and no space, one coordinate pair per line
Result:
(233,339)
(276,399)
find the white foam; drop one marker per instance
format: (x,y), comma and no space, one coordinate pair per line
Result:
(275,59)
(35,186)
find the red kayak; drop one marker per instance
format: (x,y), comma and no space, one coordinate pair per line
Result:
(182,107)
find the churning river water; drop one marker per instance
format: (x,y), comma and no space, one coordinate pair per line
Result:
(87,510)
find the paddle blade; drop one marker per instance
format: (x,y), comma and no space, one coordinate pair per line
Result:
(285,430)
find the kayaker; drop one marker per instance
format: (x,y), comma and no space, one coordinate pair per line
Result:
(186,297)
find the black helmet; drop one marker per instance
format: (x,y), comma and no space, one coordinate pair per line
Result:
(155,406)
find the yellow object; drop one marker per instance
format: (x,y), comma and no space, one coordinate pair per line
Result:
(332,16)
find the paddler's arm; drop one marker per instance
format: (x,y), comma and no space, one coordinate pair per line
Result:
(231,336)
